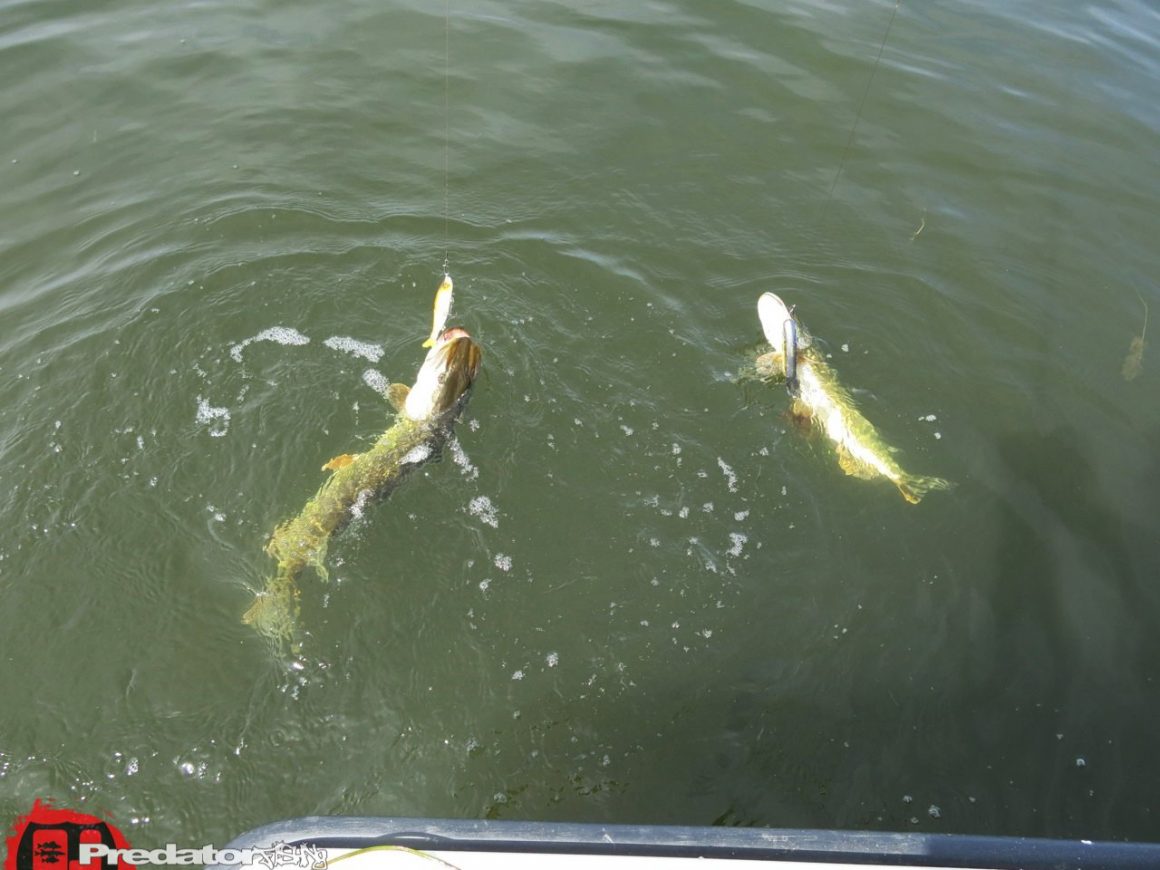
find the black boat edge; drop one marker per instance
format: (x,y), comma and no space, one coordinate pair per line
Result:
(824,848)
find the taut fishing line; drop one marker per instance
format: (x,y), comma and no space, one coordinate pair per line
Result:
(446,131)
(861,106)
(443,296)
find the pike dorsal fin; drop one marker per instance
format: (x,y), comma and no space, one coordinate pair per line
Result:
(397,395)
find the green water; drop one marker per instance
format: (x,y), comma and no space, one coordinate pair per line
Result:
(635,592)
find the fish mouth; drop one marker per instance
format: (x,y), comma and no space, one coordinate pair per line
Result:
(451,366)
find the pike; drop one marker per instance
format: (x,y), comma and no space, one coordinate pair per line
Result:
(425,414)
(819,398)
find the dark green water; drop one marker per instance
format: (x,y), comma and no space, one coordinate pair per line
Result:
(681,610)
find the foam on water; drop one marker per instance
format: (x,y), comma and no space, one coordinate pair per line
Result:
(217,419)
(738,540)
(459,455)
(376,380)
(730,475)
(371,352)
(360,503)
(481,507)
(283,335)
(418,454)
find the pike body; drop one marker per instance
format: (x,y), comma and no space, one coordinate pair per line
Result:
(425,414)
(821,399)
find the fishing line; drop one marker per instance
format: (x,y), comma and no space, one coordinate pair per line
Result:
(446,131)
(790,336)
(861,106)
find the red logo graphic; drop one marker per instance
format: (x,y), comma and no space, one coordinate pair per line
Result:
(50,839)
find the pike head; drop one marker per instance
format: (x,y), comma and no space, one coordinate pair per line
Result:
(447,372)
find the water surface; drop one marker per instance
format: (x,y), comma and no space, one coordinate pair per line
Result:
(634,592)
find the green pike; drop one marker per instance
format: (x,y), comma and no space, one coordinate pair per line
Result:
(819,398)
(425,414)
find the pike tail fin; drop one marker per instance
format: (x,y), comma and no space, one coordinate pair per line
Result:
(274,612)
(913,486)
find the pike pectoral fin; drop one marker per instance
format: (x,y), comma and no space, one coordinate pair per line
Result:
(769,365)
(397,395)
(339,462)
(852,466)
(800,412)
